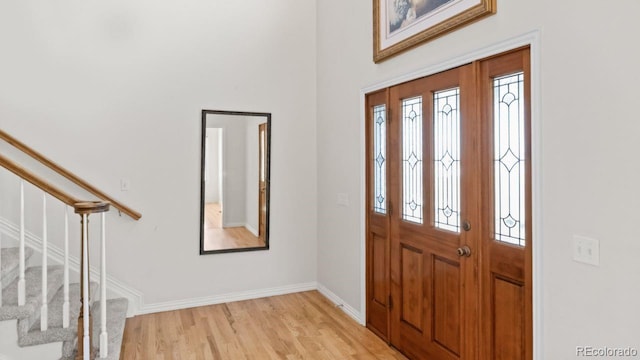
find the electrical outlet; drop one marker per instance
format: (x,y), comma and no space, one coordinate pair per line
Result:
(343,199)
(586,250)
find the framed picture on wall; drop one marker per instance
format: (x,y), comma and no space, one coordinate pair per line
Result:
(399,25)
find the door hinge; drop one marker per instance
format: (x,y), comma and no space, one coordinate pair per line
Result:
(390,302)
(390,208)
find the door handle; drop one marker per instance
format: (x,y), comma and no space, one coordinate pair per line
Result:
(464,251)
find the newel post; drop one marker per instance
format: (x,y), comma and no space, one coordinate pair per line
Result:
(85,321)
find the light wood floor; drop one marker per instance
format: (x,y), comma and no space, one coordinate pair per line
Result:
(295,326)
(217,238)
(212,216)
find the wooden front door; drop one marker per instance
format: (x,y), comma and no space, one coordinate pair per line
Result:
(448,263)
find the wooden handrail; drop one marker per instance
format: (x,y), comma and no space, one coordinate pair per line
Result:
(79,206)
(37,182)
(68,175)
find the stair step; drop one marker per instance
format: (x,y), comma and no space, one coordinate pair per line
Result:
(116,319)
(33,281)
(55,332)
(11,263)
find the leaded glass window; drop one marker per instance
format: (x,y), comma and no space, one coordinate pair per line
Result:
(446,156)
(379,159)
(412,184)
(509,159)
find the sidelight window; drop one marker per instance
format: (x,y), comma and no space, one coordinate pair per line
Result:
(379,159)
(509,159)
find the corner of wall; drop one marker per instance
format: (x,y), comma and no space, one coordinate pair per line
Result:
(348,309)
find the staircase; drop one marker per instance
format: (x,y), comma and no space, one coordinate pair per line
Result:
(27,316)
(51,317)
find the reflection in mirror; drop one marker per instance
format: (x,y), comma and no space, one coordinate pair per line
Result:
(234,196)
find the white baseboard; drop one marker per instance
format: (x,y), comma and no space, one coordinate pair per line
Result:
(57,255)
(225,298)
(348,309)
(251,229)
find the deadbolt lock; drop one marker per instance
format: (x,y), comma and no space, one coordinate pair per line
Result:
(466,225)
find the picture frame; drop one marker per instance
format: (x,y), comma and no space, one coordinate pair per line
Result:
(399,25)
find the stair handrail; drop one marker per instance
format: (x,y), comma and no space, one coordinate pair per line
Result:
(37,181)
(68,175)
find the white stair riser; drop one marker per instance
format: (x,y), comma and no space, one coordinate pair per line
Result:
(11,351)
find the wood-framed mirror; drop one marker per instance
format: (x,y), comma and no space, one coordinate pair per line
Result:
(234,192)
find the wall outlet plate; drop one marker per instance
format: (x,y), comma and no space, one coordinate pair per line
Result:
(343,199)
(586,250)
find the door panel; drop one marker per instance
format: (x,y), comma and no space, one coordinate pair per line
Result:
(377,241)
(426,234)
(508,310)
(379,271)
(377,304)
(446,304)
(412,289)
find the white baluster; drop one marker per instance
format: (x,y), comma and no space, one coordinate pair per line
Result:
(86,343)
(44,318)
(21,281)
(65,305)
(104,338)
(0,268)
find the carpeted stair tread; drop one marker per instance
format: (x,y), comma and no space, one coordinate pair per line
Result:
(55,332)
(33,287)
(116,319)
(11,263)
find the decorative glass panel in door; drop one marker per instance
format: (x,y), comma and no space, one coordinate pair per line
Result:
(446,167)
(412,185)
(509,158)
(379,159)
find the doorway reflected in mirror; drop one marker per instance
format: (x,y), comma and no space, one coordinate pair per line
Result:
(234,181)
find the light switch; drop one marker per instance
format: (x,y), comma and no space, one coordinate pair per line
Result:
(125,184)
(586,250)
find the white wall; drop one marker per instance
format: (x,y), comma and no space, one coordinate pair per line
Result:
(114,90)
(213,165)
(234,172)
(589,148)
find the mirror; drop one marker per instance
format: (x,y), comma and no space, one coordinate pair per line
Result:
(234,195)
